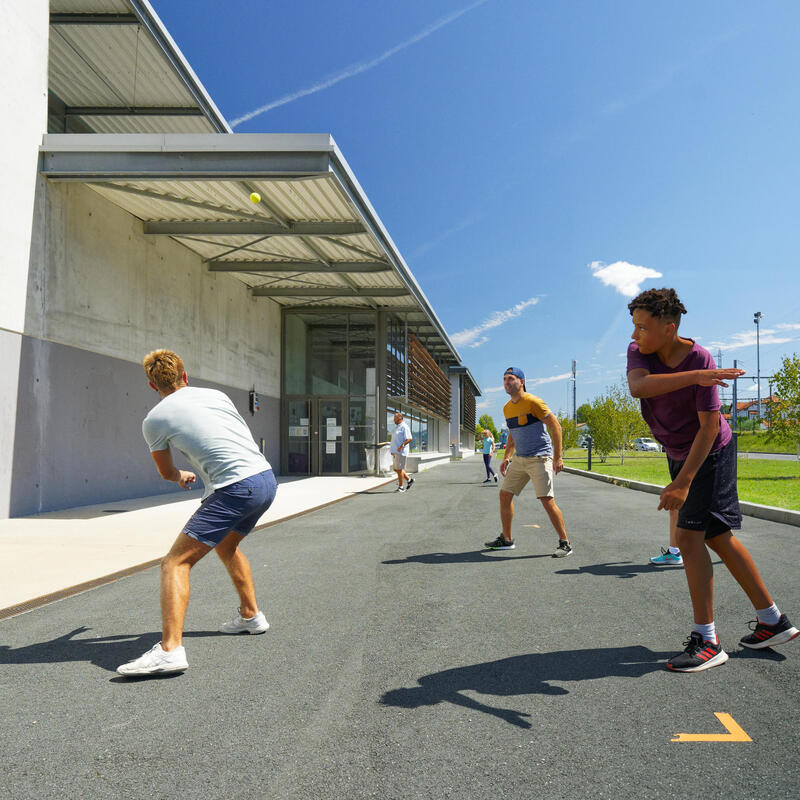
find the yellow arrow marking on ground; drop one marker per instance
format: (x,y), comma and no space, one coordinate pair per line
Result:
(735,732)
(530,526)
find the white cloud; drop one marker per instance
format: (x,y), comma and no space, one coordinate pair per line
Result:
(789,326)
(356,69)
(624,277)
(473,337)
(494,389)
(753,388)
(482,405)
(551,379)
(748,338)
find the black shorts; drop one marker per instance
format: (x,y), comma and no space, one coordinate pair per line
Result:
(713,503)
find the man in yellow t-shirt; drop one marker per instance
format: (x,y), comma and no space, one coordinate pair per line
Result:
(534,439)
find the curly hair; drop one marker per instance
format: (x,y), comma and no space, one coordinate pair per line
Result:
(662,303)
(164,369)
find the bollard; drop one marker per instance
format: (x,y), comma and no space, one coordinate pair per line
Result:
(589,454)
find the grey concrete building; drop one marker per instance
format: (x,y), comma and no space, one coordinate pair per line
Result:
(128,225)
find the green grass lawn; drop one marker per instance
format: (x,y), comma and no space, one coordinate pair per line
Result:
(757,442)
(771,483)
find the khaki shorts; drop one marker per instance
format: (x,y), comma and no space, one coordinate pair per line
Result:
(399,461)
(537,469)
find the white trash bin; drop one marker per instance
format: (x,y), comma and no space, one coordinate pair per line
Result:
(370,454)
(384,459)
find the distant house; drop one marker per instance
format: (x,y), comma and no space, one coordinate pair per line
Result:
(747,409)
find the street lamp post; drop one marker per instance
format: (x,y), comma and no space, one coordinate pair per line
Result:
(574,391)
(757,319)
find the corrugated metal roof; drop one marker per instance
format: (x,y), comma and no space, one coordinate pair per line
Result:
(148,124)
(89,6)
(112,65)
(127,64)
(313,240)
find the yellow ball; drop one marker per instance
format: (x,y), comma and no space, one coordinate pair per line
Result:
(255,197)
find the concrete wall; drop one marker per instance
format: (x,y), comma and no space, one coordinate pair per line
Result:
(24,32)
(101,294)
(79,429)
(107,287)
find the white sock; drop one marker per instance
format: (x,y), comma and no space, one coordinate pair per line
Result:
(768,616)
(674,550)
(708,632)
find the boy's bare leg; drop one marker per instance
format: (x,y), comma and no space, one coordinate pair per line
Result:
(238,568)
(699,573)
(506,512)
(673,528)
(400,474)
(175,568)
(556,517)
(740,564)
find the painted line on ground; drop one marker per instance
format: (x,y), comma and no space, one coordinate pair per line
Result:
(735,732)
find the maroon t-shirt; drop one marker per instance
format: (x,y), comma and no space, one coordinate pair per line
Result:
(672,417)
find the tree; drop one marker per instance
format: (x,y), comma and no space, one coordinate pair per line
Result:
(569,433)
(484,422)
(598,417)
(581,414)
(785,408)
(614,420)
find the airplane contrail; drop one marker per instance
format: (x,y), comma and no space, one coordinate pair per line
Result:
(355,69)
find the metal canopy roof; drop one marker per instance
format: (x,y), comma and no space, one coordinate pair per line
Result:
(461,370)
(314,240)
(114,68)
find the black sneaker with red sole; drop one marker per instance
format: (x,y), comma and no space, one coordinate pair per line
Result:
(698,655)
(769,635)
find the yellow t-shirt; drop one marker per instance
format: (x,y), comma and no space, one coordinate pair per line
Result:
(524,421)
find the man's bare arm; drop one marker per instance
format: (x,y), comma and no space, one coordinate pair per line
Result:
(643,384)
(554,427)
(674,495)
(509,447)
(169,472)
(507,457)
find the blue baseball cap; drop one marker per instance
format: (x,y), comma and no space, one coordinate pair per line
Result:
(515,371)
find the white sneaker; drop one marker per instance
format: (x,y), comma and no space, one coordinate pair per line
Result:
(156,662)
(256,624)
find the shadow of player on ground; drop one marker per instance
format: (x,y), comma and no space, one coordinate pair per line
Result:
(106,652)
(524,675)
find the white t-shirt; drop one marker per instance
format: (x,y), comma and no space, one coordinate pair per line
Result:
(401,433)
(206,427)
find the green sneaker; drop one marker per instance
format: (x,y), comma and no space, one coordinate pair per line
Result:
(668,559)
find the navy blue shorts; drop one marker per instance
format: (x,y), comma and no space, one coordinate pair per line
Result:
(713,503)
(236,507)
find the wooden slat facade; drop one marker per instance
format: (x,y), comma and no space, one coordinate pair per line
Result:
(468,406)
(428,386)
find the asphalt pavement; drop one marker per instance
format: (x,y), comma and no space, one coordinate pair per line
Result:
(404,661)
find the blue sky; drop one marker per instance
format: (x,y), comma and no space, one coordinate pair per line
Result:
(535,161)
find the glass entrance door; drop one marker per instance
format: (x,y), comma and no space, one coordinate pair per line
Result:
(330,438)
(317,436)
(301,458)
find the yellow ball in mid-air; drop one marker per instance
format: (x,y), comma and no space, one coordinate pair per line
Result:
(255,197)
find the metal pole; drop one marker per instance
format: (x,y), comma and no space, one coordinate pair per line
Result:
(574,391)
(757,319)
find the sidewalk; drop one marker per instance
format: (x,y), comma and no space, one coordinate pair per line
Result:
(57,553)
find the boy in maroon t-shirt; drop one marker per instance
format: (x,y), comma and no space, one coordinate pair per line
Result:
(677,381)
